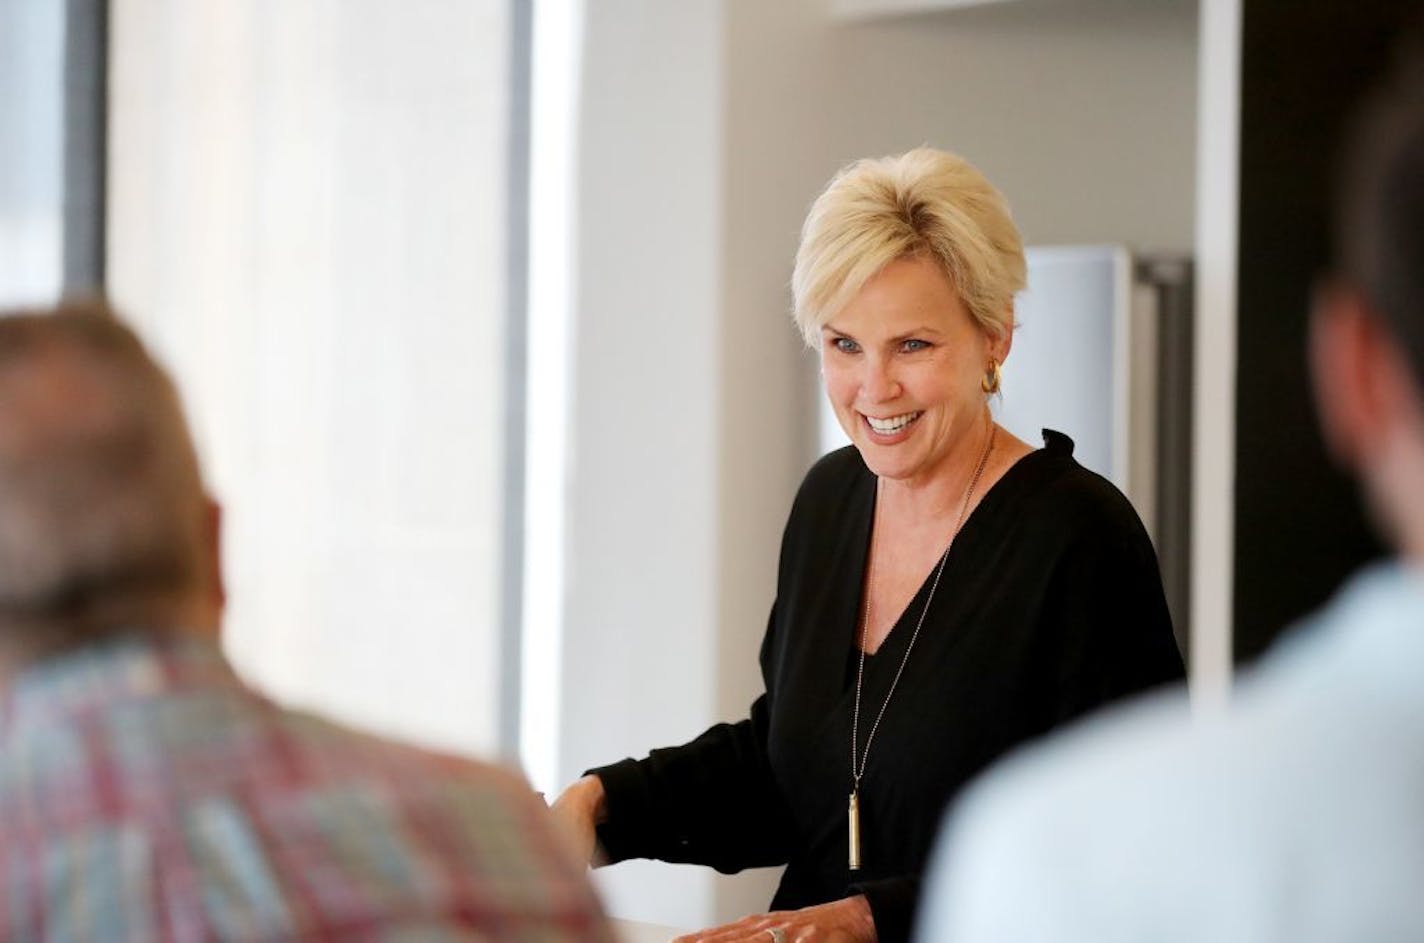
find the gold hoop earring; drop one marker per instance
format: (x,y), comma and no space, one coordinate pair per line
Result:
(990,383)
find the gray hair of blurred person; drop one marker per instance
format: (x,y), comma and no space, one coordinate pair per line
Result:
(104,521)
(1380,217)
(925,202)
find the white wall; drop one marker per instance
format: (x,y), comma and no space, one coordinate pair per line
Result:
(1081,111)
(706,130)
(641,589)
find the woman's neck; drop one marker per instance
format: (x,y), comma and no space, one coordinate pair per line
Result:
(939,493)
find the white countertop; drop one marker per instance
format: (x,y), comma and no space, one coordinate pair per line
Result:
(633,931)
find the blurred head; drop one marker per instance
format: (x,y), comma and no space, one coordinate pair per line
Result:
(104,522)
(1367,344)
(905,280)
(924,203)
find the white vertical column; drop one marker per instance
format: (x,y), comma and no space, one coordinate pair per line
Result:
(553,260)
(1214,451)
(641,592)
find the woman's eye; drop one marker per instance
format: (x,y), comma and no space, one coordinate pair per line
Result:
(845,345)
(912,345)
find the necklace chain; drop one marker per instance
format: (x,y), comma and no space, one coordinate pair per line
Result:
(857,768)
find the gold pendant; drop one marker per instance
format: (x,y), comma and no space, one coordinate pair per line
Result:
(853,821)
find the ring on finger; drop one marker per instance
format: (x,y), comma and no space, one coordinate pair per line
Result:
(778,934)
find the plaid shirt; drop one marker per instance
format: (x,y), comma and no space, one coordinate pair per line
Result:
(146,794)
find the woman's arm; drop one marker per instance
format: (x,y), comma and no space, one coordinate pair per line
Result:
(712,801)
(1109,632)
(579,810)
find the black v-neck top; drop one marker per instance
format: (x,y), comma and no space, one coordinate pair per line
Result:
(1050,604)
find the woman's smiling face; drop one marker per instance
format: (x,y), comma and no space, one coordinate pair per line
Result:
(903,363)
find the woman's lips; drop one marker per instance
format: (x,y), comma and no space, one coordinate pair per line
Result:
(891,428)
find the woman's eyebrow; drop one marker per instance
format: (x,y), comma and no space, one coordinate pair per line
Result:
(925,331)
(918,332)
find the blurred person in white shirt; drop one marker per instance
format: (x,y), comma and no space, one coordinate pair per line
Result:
(1298,813)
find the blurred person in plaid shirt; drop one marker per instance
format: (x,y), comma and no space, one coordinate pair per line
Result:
(145,792)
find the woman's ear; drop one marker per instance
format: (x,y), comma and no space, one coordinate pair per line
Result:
(1000,346)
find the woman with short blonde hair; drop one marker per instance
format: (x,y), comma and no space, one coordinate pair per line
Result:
(945,591)
(926,203)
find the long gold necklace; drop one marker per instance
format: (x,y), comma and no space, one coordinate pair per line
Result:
(857,769)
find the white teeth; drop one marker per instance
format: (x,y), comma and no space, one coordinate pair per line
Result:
(892,425)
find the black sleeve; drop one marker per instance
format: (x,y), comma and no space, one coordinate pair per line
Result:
(712,801)
(1108,621)
(892,905)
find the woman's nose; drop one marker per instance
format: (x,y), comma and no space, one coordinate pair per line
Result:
(879,384)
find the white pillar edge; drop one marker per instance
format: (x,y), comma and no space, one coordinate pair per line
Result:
(1214,438)
(554,93)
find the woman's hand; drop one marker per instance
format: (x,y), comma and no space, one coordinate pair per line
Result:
(841,921)
(578,810)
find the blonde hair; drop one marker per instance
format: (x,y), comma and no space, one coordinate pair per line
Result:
(925,202)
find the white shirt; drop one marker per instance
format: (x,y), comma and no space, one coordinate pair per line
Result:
(1297,815)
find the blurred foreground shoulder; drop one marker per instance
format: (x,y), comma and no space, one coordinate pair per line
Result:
(500,860)
(1022,854)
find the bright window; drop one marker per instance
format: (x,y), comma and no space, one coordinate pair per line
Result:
(307,218)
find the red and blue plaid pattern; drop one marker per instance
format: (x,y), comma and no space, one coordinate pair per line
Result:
(147,795)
